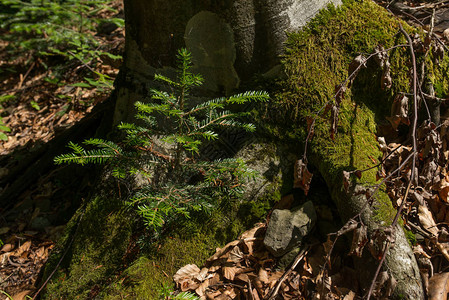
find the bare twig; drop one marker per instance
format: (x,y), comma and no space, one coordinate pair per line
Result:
(343,85)
(415,147)
(298,258)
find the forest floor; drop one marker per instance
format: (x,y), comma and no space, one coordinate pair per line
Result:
(40,97)
(34,107)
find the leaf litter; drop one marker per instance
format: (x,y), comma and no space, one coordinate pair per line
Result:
(34,107)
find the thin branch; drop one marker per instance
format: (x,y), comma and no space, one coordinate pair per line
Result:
(415,147)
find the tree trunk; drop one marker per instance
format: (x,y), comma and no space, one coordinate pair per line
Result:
(230,40)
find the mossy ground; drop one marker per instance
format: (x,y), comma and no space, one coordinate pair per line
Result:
(113,257)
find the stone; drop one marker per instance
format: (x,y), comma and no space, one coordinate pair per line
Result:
(287,229)
(39,223)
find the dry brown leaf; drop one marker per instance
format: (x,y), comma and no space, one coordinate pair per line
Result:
(200,290)
(236,255)
(426,220)
(302,176)
(188,271)
(7,248)
(22,295)
(334,121)
(242,277)
(229,272)
(359,241)
(252,232)
(438,286)
(263,275)
(255,295)
(40,252)
(444,249)
(349,296)
(354,67)
(310,129)
(211,295)
(419,251)
(25,247)
(222,251)
(348,227)
(340,91)
(202,275)
(444,194)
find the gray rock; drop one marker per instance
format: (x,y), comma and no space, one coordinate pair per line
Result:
(39,223)
(287,228)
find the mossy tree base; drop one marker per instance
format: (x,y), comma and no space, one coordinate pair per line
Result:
(316,61)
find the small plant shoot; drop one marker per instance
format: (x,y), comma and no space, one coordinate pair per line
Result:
(164,146)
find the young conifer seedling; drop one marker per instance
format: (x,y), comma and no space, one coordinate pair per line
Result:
(164,146)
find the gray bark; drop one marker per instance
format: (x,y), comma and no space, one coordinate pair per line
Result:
(230,40)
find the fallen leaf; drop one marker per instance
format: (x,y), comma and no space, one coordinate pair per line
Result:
(7,248)
(339,93)
(236,255)
(302,176)
(188,271)
(426,220)
(334,121)
(22,295)
(354,67)
(40,252)
(229,272)
(310,123)
(202,275)
(439,286)
(349,296)
(219,252)
(263,275)
(348,227)
(359,241)
(444,194)
(202,288)
(444,249)
(25,247)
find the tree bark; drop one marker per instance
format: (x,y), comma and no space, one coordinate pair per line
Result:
(230,40)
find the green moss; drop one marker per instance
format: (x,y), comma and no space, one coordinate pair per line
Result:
(97,265)
(148,275)
(95,253)
(316,61)
(411,238)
